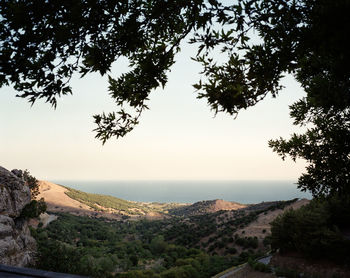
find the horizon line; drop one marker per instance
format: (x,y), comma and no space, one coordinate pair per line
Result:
(171,180)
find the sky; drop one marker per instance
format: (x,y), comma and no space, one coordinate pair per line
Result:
(179,138)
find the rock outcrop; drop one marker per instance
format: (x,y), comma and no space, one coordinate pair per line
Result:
(17,246)
(14,194)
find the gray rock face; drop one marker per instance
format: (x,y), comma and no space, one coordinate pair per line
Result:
(17,246)
(14,194)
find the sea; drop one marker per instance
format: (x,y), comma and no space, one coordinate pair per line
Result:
(245,192)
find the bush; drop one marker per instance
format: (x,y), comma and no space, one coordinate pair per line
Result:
(258,266)
(267,241)
(134,260)
(248,242)
(32,183)
(158,245)
(34,209)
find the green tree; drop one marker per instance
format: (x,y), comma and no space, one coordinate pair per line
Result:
(34,208)
(158,245)
(134,260)
(32,183)
(325,146)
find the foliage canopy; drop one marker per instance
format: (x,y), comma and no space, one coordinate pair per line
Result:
(325,146)
(43,43)
(314,230)
(32,183)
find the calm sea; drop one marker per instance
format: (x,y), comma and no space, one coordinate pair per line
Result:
(246,192)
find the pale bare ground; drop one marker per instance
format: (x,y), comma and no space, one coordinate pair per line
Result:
(56,198)
(57,201)
(43,218)
(257,227)
(225,205)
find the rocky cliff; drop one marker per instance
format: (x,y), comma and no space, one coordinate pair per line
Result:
(17,246)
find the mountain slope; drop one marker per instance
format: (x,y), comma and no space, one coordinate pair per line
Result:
(64,199)
(204,207)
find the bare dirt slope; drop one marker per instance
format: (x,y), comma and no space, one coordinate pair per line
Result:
(205,207)
(58,201)
(56,198)
(225,205)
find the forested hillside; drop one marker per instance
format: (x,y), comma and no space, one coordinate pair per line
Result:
(195,245)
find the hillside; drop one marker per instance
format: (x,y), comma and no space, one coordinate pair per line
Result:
(64,199)
(204,207)
(225,233)
(57,200)
(216,226)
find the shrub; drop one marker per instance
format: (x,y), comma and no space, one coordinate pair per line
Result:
(232,250)
(158,245)
(258,266)
(267,241)
(134,260)
(32,183)
(247,242)
(34,209)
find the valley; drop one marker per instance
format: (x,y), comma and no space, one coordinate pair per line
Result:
(109,237)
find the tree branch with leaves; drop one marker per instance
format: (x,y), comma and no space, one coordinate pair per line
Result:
(43,43)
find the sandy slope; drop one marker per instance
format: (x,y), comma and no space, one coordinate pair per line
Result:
(58,201)
(56,198)
(225,205)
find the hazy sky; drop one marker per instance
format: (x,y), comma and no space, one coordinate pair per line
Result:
(178,138)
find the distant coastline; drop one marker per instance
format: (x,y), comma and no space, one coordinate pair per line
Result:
(246,192)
